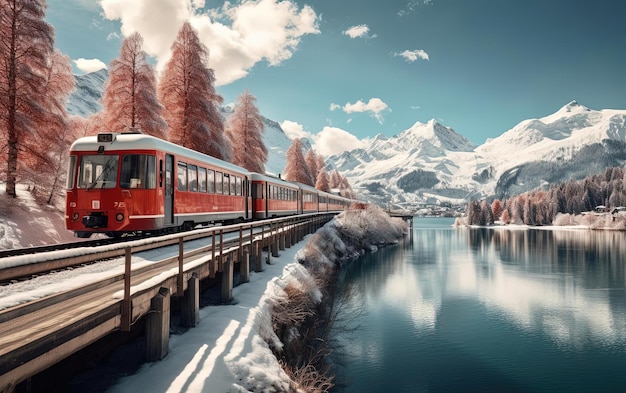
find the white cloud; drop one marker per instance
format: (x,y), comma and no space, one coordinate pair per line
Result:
(334,106)
(358,31)
(375,105)
(89,65)
(238,36)
(329,141)
(295,130)
(333,140)
(413,55)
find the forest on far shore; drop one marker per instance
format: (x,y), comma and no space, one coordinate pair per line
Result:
(561,204)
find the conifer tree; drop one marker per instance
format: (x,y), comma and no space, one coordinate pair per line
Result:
(321,164)
(130,100)
(322,181)
(496,208)
(296,169)
(187,92)
(335,179)
(311,161)
(244,131)
(46,149)
(26,44)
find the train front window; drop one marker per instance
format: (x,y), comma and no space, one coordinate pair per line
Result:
(98,171)
(138,171)
(71,172)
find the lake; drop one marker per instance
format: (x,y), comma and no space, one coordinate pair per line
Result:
(485,310)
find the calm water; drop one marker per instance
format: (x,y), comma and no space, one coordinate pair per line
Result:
(484,310)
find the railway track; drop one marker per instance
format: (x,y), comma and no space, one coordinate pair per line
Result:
(57,247)
(50,258)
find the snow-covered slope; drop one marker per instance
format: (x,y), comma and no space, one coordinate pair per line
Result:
(85,100)
(432,163)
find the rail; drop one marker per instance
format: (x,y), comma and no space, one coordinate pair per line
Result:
(42,332)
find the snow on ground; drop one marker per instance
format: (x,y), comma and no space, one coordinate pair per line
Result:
(25,223)
(225,352)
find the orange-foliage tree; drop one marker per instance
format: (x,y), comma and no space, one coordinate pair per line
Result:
(296,168)
(130,99)
(311,162)
(322,181)
(26,44)
(244,131)
(45,150)
(187,92)
(335,179)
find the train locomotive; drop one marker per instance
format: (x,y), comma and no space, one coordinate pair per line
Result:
(132,183)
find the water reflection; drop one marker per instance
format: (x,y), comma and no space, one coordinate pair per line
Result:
(486,310)
(568,284)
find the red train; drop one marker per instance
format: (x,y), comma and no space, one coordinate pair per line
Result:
(135,183)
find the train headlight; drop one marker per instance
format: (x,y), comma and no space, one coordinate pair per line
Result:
(119,217)
(75,216)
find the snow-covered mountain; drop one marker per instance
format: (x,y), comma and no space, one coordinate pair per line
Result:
(431,163)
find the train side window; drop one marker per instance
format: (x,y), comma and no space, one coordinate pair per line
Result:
(238,186)
(192,177)
(218,183)
(233,185)
(202,179)
(138,171)
(226,186)
(182,176)
(211,181)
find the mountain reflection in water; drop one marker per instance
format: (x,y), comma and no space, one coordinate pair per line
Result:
(527,303)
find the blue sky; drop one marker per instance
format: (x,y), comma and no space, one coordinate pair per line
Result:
(339,71)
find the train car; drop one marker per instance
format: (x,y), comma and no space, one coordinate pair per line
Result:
(337,202)
(308,199)
(273,197)
(132,182)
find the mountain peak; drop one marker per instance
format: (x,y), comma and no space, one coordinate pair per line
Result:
(573,106)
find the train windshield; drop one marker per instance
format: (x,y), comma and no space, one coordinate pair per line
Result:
(98,171)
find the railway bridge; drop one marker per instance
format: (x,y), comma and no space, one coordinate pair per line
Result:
(40,333)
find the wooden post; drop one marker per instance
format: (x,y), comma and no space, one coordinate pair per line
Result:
(281,237)
(212,268)
(240,249)
(274,249)
(158,326)
(221,250)
(244,267)
(180,291)
(258,257)
(190,310)
(126,304)
(227,279)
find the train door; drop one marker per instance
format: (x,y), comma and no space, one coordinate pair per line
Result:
(268,195)
(169,189)
(247,194)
